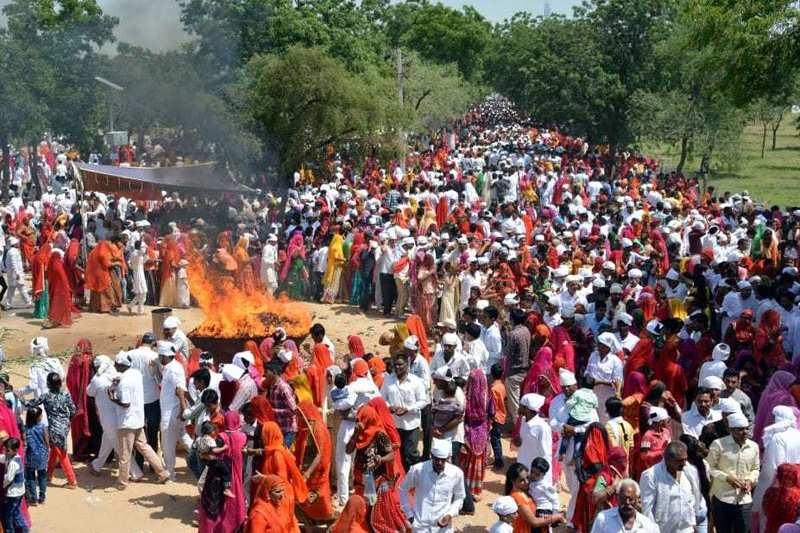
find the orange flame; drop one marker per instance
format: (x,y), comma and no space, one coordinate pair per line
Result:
(229,312)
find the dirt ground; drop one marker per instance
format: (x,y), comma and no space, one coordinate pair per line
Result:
(145,507)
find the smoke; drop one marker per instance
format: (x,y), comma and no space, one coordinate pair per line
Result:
(153,24)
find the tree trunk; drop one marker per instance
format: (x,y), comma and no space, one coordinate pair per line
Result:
(775,126)
(764,140)
(33,168)
(684,153)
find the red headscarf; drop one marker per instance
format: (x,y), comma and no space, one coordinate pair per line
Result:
(355,346)
(353,517)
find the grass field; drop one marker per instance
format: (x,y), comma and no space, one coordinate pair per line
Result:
(775,179)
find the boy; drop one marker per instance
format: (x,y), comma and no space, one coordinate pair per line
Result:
(498,390)
(620,432)
(541,489)
(506,509)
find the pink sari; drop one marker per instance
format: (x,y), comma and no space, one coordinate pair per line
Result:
(233,512)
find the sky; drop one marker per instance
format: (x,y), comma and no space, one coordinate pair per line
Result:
(156,24)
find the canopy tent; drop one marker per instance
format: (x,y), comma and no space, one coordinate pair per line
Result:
(146,183)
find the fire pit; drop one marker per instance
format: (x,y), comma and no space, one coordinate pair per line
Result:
(233,316)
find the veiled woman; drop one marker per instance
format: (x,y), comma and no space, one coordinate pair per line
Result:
(219,514)
(105,287)
(333,272)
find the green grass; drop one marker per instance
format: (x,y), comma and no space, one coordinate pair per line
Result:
(775,179)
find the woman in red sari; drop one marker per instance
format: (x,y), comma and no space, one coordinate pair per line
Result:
(667,368)
(768,346)
(41,294)
(27,241)
(245,275)
(313,453)
(79,373)
(105,295)
(75,273)
(62,305)
(280,462)
(593,460)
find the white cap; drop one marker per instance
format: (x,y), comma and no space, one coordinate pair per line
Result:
(171,322)
(441,449)
(744,284)
(123,358)
(285,356)
(462,240)
(505,505)
(510,299)
(634,273)
(166,348)
(599,284)
(625,318)
(411,343)
(728,406)
(566,378)
(449,339)
(568,312)
(721,352)
(737,420)
(654,327)
(608,265)
(712,382)
(443,373)
(657,414)
(607,339)
(672,275)
(616,288)
(240,357)
(532,401)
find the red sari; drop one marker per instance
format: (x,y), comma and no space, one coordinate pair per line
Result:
(768,346)
(594,461)
(73,272)
(62,305)
(670,372)
(79,373)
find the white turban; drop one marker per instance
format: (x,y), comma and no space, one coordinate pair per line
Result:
(505,505)
(566,378)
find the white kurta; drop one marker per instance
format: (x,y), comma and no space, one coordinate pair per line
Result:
(139,281)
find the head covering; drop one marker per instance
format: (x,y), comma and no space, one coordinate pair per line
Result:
(607,339)
(712,382)
(776,393)
(625,318)
(123,359)
(275,449)
(657,414)
(39,346)
(441,448)
(356,346)
(783,413)
(353,516)
(721,352)
(566,378)
(166,348)
(505,505)
(728,406)
(443,373)
(654,327)
(411,343)
(477,412)
(285,356)
(449,339)
(171,322)
(737,420)
(532,401)
(369,418)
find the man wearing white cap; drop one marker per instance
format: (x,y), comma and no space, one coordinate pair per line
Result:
(625,338)
(145,360)
(718,429)
(419,367)
(735,302)
(451,357)
(269,258)
(128,396)
(674,288)
(559,415)
(605,369)
(406,396)
(469,278)
(177,337)
(734,468)
(700,414)
(15,274)
(438,492)
(571,297)
(715,367)
(173,403)
(535,435)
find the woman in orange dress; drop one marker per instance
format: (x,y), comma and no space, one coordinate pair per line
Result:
(27,241)
(313,454)
(267,513)
(245,275)
(280,462)
(104,295)
(517,482)
(353,518)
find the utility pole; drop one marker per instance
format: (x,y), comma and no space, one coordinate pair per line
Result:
(401,98)
(547,10)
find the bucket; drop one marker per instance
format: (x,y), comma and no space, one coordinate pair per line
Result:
(159,316)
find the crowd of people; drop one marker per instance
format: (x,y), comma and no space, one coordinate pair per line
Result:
(632,339)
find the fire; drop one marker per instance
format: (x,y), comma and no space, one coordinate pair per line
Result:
(230,312)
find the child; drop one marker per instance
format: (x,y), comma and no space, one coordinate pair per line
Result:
(14,484)
(580,405)
(209,448)
(60,410)
(37,442)
(447,412)
(343,400)
(541,488)
(183,285)
(506,509)
(498,391)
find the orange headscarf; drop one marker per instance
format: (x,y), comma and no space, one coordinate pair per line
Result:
(252,347)
(353,517)
(98,263)
(263,513)
(416,327)
(322,356)
(360,370)
(377,368)
(371,420)
(279,461)
(261,409)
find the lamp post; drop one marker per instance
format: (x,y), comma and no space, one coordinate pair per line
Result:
(114,86)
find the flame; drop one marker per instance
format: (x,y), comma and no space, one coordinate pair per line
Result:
(229,312)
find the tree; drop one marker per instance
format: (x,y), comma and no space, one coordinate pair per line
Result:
(305,100)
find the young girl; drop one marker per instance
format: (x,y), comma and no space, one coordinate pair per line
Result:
(37,441)
(60,410)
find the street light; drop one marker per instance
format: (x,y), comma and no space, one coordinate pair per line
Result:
(114,86)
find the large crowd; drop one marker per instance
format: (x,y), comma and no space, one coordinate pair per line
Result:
(631,338)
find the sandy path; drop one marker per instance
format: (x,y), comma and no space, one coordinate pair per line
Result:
(145,507)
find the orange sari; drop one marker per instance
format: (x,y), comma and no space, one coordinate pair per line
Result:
(313,431)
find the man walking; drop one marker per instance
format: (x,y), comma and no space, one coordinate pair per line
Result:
(128,396)
(406,396)
(438,492)
(517,361)
(671,496)
(624,517)
(173,403)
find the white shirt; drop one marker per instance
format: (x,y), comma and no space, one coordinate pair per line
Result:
(409,393)
(610,522)
(493,341)
(608,368)
(422,370)
(559,414)
(712,368)
(468,280)
(478,356)
(129,391)
(781,448)
(537,441)
(629,342)
(669,502)
(435,495)
(216,379)
(141,358)
(181,343)
(544,493)
(501,527)
(693,422)
(173,379)
(458,364)
(106,409)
